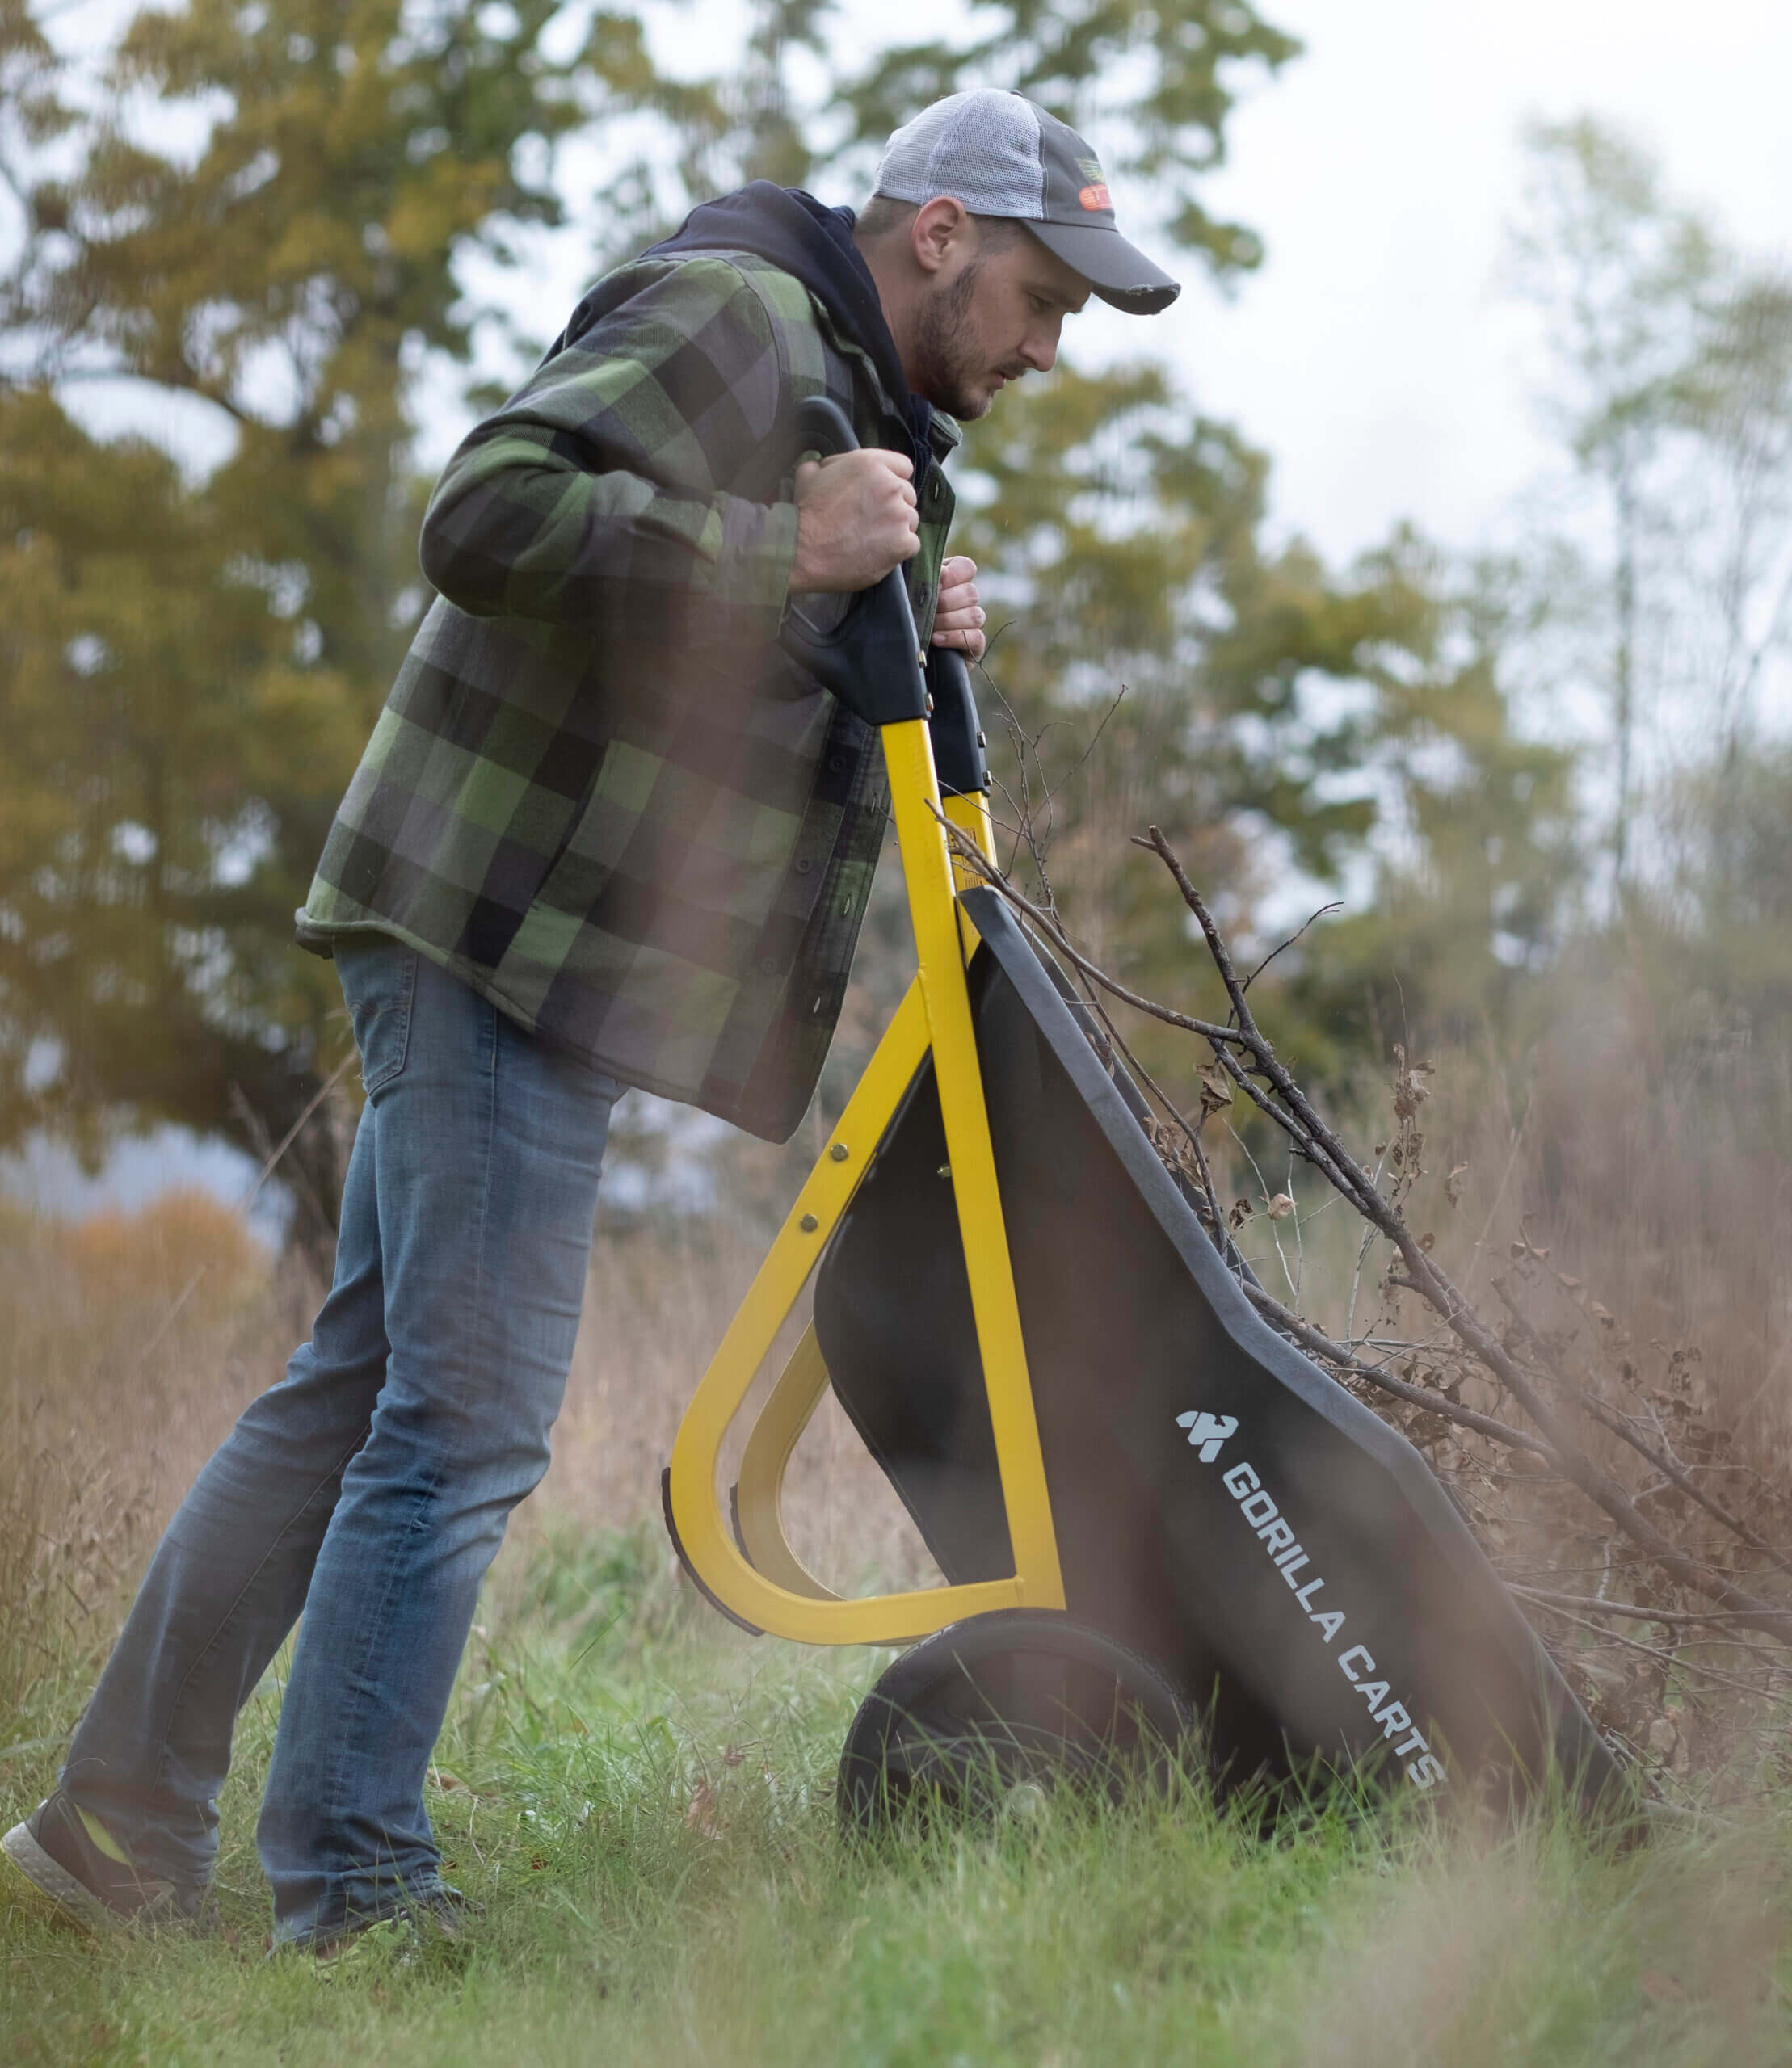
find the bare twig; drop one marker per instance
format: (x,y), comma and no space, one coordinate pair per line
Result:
(1345,1359)
(1663,1459)
(1671,1660)
(1288,1276)
(973,858)
(293,1132)
(1593,1605)
(1334,906)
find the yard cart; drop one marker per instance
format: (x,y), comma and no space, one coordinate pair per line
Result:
(1154,1516)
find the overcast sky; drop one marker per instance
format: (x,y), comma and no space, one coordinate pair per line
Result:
(1372,355)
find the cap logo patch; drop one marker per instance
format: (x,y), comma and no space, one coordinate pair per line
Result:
(1096,198)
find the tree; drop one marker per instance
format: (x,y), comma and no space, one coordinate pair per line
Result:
(1738,409)
(800,98)
(189,668)
(1620,273)
(1156,80)
(1119,529)
(1670,384)
(1673,363)
(1280,723)
(1479,862)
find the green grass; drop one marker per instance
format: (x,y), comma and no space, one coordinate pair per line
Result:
(643,1803)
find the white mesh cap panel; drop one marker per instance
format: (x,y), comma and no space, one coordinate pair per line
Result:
(983,148)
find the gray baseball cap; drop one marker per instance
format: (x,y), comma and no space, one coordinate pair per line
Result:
(1002,154)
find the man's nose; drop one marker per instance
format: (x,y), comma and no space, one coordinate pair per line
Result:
(1040,350)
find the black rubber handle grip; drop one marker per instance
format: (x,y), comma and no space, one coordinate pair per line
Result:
(871,660)
(958,736)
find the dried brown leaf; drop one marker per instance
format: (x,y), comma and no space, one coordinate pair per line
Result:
(1216,1091)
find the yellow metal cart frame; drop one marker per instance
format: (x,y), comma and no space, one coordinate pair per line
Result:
(760,1581)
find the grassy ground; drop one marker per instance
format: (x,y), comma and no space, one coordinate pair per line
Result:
(642,1802)
(642,1799)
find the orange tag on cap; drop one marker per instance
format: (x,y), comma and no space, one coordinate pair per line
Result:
(1096,197)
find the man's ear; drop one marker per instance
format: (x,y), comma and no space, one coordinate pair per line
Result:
(939,229)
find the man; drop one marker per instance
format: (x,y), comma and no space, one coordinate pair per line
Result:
(605,833)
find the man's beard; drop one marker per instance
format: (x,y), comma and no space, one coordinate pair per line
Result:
(944,373)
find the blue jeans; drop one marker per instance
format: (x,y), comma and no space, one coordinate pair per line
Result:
(370,1488)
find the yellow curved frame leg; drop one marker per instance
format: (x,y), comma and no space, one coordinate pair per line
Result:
(758,1492)
(791,1405)
(772,1589)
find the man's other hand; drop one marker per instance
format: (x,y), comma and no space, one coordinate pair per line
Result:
(856,518)
(958,620)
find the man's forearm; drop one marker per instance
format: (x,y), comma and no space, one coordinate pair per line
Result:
(599,488)
(515,529)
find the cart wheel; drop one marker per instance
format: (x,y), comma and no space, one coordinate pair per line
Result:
(998,1710)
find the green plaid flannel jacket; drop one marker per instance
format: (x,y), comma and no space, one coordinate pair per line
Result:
(599,792)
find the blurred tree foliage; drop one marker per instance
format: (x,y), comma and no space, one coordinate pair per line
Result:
(1727,905)
(269,212)
(189,666)
(1475,880)
(1153,661)
(189,670)
(1619,273)
(1155,85)
(1661,595)
(1668,382)
(1149,659)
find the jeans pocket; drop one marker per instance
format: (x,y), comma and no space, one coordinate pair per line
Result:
(379,980)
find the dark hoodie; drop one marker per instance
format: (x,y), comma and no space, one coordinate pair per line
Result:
(801,237)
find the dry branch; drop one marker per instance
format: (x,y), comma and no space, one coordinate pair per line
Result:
(1556,1423)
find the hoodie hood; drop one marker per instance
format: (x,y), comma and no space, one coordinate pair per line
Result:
(795,232)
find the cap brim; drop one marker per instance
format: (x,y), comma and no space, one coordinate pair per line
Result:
(1118,271)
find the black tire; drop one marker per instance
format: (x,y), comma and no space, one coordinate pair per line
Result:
(999,1706)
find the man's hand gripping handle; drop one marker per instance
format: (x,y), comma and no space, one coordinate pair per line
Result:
(872,660)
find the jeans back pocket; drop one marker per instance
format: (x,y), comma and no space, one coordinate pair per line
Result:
(378,980)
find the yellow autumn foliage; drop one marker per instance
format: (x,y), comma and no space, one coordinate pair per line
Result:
(185,1249)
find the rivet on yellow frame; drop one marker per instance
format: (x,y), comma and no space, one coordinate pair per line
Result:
(766,1586)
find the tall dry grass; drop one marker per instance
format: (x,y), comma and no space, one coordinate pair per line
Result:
(1642,1172)
(1636,1167)
(1655,1150)
(657,1305)
(1613,1202)
(129,1342)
